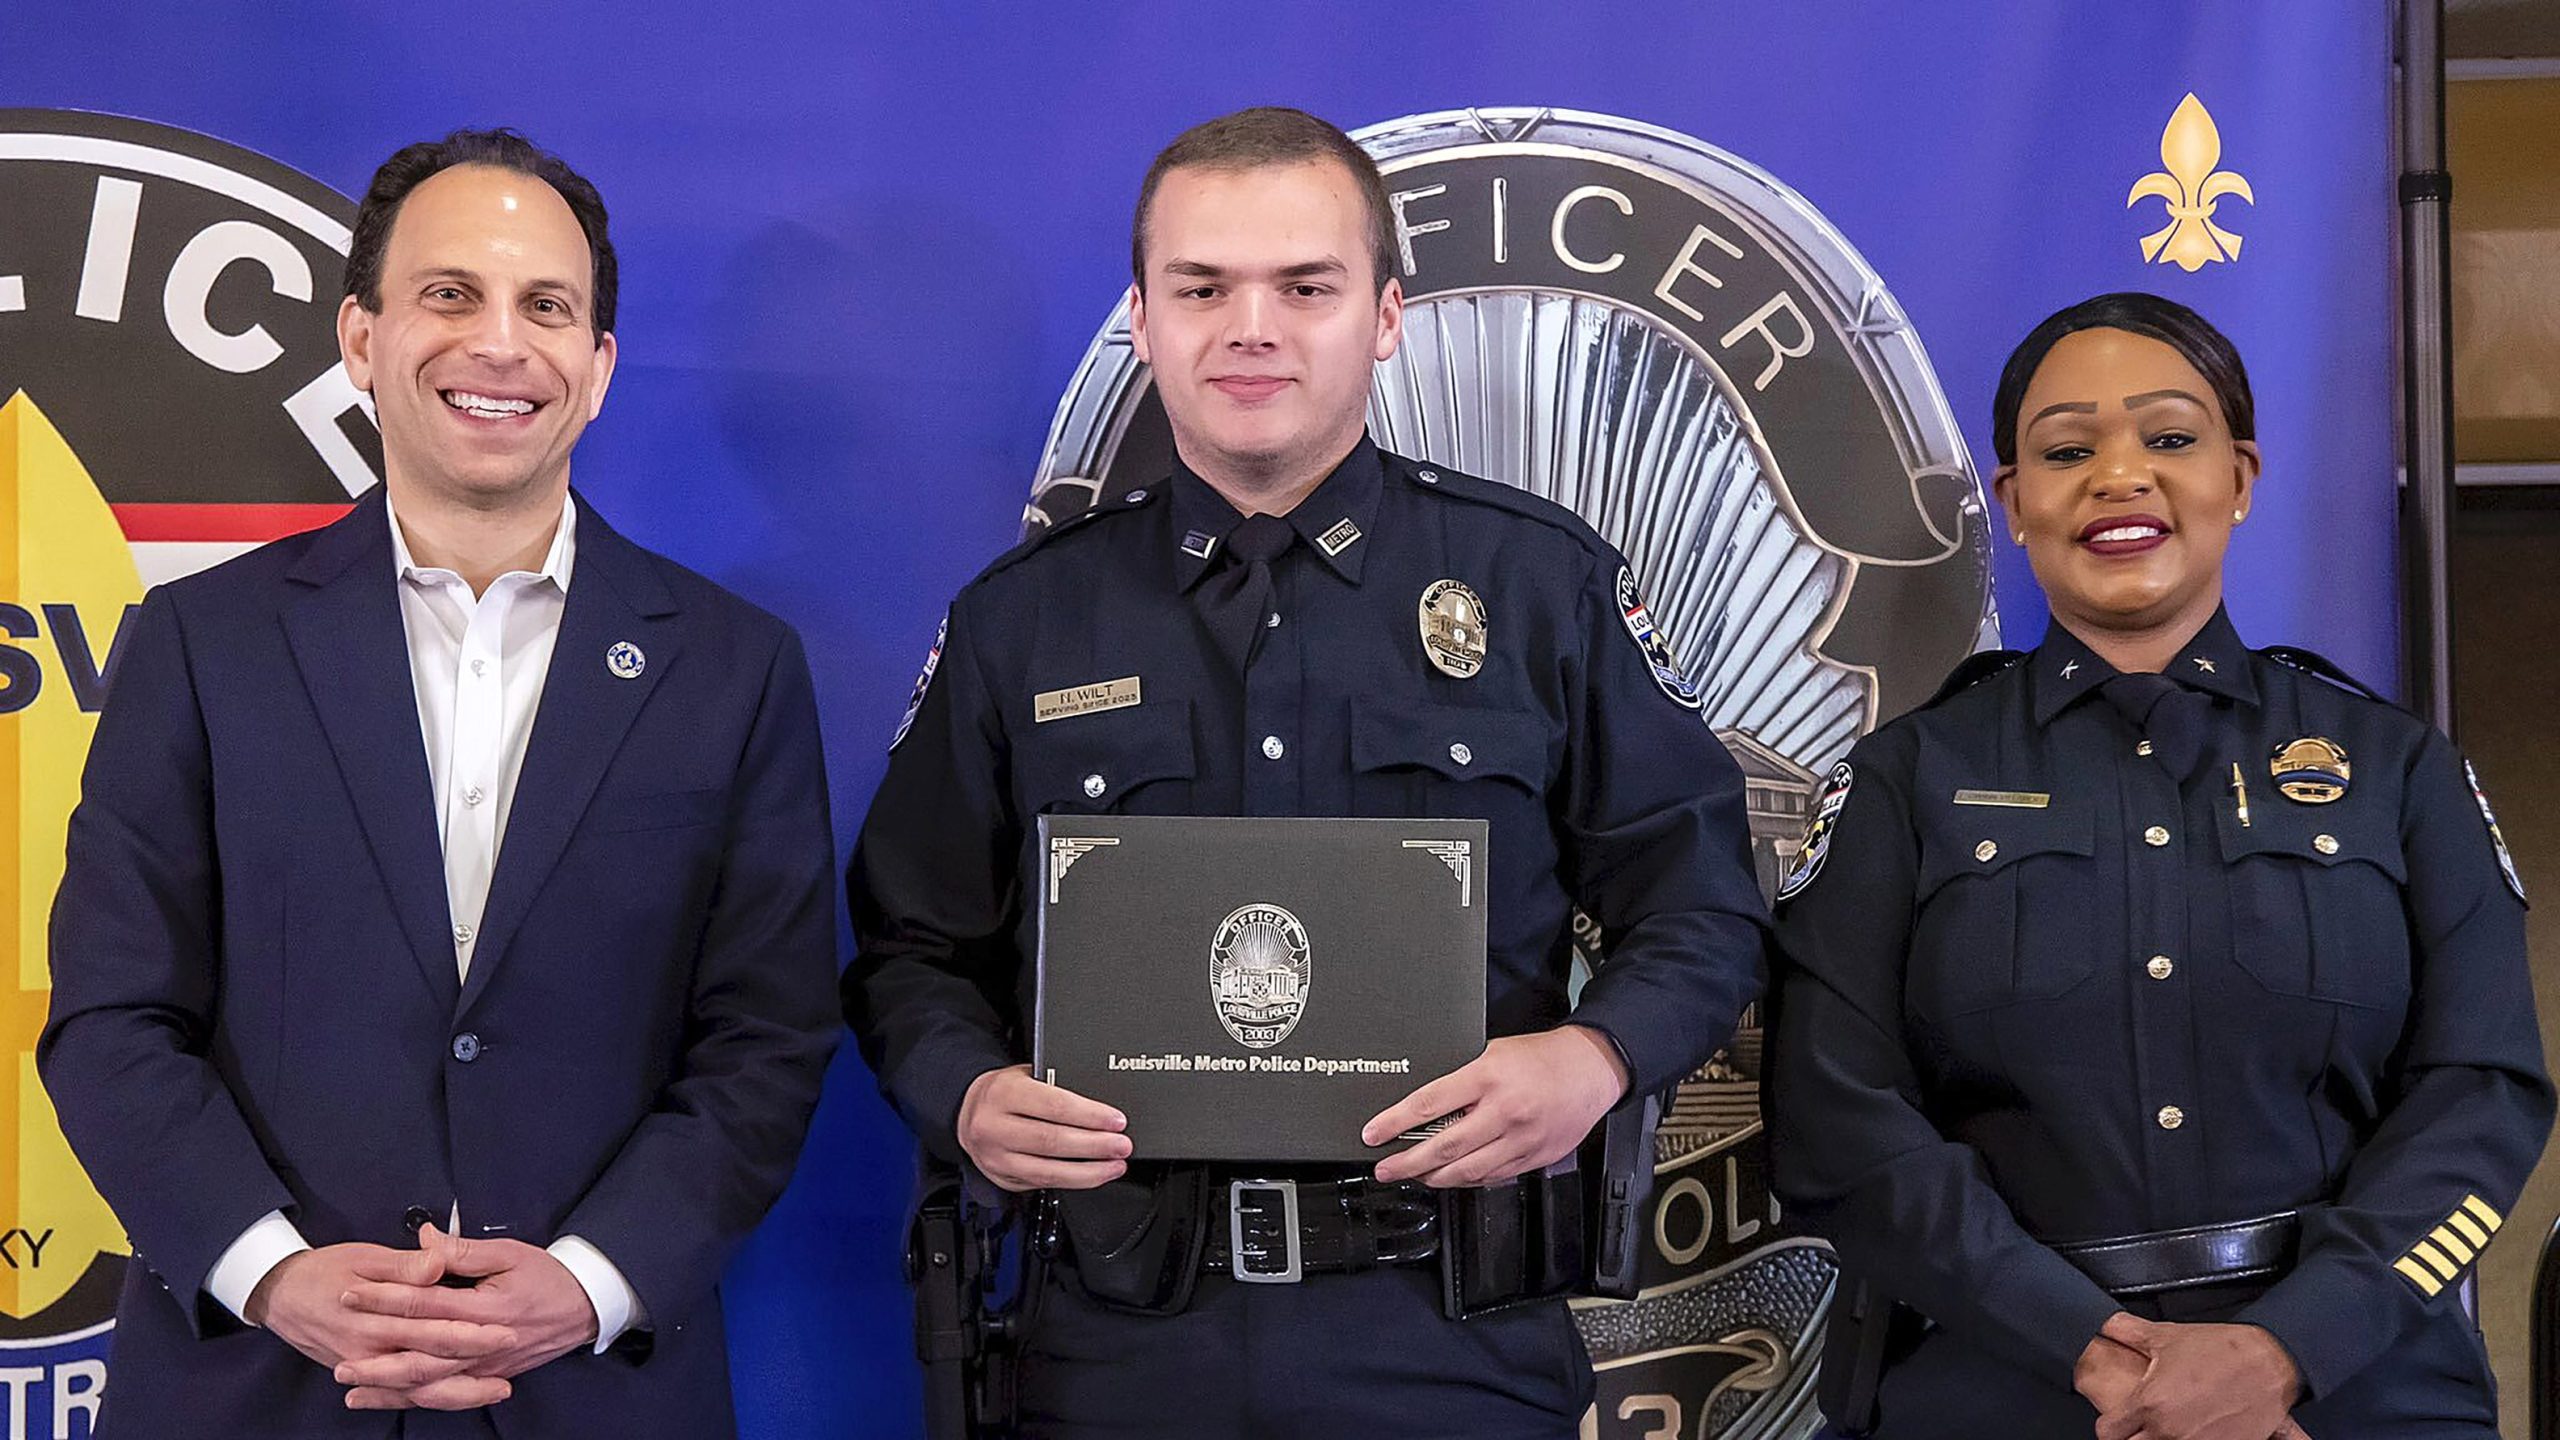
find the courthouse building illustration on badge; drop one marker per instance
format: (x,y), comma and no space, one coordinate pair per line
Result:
(170,396)
(1670,342)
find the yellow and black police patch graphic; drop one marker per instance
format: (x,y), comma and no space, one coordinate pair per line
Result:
(2497,837)
(1817,833)
(170,396)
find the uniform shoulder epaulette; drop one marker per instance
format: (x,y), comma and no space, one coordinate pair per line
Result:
(1440,479)
(1972,670)
(1137,499)
(2294,657)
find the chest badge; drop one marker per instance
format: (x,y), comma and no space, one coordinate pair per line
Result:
(1453,628)
(625,660)
(2312,770)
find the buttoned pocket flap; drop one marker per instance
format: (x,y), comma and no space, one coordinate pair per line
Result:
(1456,742)
(1957,840)
(1091,763)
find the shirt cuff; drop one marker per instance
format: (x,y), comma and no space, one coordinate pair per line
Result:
(267,1243)
(617,1305)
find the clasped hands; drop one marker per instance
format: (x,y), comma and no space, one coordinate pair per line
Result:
(398,1339)
(2152,1380)
(1523,1104)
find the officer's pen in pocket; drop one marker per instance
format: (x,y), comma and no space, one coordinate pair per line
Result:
(2240,792)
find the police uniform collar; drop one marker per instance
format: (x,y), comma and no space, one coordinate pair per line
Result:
(1334,519)
(2064,668)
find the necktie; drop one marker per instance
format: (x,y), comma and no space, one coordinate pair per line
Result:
(1237,600)
(2171,716)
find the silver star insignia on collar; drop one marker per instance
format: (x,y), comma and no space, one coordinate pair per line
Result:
(2202,663)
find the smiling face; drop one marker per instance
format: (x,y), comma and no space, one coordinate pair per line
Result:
(1260,317)
(483,364)
(2127,485)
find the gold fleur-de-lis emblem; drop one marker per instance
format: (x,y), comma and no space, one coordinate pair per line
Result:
(2191,185)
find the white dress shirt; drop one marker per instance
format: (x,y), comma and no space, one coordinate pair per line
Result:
(479,663)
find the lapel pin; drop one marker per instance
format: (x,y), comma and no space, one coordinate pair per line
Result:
(625,660)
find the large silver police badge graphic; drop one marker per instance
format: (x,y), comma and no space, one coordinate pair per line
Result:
(1668,341)
(1260,971)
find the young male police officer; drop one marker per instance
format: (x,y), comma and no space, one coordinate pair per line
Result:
(447,900)
(1273,600)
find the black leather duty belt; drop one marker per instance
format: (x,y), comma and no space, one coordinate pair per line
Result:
(2199,1255)
(1277,1232)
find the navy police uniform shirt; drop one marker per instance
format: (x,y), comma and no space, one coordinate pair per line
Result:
(1574,737)
(2036,988)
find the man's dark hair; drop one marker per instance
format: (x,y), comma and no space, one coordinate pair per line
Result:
(1269,135)
(2167,321)
(413,165)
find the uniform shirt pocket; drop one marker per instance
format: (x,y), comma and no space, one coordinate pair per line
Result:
(1133,761)
(1445,760)
(1993,923)
(2317,907)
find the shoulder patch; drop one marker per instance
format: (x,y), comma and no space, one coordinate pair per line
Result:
(1651,643)
(1817,833)
(924,682)
(2293,657)
(1972,670)
(2497,837)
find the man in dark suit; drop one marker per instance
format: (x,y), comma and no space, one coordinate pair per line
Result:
(443,957)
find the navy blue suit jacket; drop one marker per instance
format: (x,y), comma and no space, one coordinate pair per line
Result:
(256,1003)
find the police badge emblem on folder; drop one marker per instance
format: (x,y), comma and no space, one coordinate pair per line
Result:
(1255,989)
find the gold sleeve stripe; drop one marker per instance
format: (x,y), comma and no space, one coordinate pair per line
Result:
(2435,1259)
(2481,1212)
(2470,1229)
(2416,1274)
(2452,1244)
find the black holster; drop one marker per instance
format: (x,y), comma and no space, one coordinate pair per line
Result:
(965,1340)
(1867,1332)
(1134,1243)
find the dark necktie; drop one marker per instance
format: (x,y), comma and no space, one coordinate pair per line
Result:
(2169,715)
(1237,599)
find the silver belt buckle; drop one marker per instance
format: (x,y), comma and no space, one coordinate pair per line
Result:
(1254,1260)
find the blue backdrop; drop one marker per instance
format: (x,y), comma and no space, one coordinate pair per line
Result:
(864,246)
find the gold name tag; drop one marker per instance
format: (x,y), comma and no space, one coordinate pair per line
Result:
(2008,799)
(1051,705)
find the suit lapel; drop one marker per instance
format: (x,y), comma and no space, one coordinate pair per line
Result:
(615,596)
(353,655)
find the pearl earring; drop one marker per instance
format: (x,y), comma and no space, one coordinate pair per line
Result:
(2020,538)
(2239,515)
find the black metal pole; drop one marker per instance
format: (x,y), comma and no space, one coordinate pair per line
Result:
(2426,364)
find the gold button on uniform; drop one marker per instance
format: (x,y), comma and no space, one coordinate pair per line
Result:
(2142,749)
(2325,844)
(2161,967)
(1985,851)
(2171,1117)
(2156,836)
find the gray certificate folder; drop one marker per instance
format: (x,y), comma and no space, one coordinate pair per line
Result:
(1255,989)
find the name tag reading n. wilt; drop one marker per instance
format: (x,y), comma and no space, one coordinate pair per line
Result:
(2007,799)
(1051,705)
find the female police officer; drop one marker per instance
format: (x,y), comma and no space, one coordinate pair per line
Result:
(2155,1041)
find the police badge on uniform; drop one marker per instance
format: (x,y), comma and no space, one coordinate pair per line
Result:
(1453,628)
(1817,832)
(2312,770)
(924,682)
(2497,837)
(1260,970)
(1649,639)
